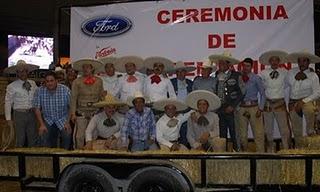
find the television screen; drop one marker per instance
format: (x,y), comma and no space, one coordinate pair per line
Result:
(34,50)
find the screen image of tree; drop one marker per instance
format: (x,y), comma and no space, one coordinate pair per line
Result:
(32,49)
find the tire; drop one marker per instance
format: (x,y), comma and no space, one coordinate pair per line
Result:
(85,178)
(158,179)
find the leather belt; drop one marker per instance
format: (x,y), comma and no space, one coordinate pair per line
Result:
(24,110)
(249,103)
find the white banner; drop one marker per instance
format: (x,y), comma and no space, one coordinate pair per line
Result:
(191,30)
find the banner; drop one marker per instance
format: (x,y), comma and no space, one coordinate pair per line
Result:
(191,30)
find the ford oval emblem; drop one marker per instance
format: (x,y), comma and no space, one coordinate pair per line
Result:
(106,26)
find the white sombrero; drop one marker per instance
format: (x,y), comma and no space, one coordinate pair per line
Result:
(77,65)
(265,57)
(181,66)
(137,95)
(150,61)
(193,98)
(293,57)
(21,64)
(225,56)
(122,61)
(105,60)
(160,105)
(108,100)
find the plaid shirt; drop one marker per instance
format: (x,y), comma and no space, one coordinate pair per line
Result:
(53,105)
(138,126)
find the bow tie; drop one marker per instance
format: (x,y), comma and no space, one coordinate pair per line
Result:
(300,76)
(131,79)
(274,74)
(89,80)
(203,121)
(155,79)
(245,78)
(26,85)
(109,122)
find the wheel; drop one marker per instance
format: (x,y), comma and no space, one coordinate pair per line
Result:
(85,178)
(158,179)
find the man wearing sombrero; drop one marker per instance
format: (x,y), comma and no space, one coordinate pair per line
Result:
(103,130)
(110,78)
(157,86)
(273,79)
(304,89)
(138,132)
(86,90)
(203,125)
(131,81)
(19,95)
(230,89)
(168,126)
(205,81)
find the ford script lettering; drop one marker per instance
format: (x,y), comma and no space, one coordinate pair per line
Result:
(107,26)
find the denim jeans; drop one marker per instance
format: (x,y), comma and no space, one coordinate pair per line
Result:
(142,146)
(54,134)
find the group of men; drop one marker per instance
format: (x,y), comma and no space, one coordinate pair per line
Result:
(133,105)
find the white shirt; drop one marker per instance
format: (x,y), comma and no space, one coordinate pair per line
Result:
(17,97)
(166,134)
(111,84)
(127,89)
(274,88)
(159,91)
(309,89)
(97,128)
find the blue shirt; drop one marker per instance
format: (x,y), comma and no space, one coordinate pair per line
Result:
(252,87)
(200,83)
(139,126)
(54,105)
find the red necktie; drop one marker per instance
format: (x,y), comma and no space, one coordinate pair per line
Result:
(155,79)
(245,78)
(131,79)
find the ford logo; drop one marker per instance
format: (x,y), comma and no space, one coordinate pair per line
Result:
(107,26)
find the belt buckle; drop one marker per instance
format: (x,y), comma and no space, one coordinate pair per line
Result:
(247,102)
(89,104)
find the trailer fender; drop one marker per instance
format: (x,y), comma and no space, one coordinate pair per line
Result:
(85,177)
(157,178)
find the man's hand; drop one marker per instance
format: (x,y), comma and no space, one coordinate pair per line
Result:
(258,113)
(150,141)
(67,127)
(73,118)
(42,129)
(229,109)
(88,146)
(298,106)
(175,147)
(204,138)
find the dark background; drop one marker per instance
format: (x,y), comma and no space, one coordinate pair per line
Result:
(52,18)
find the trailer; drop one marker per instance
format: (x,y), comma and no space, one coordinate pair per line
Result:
(113,171)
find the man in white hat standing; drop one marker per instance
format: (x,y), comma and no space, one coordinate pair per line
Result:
(230,90)
(138,132)
(205,81)
(103,131)
(203,125)
(19,95)
(158,86)
(304,90)
(273,80)
(251,107)
(131,81)
(168,126)
(110,78)
(86,90)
